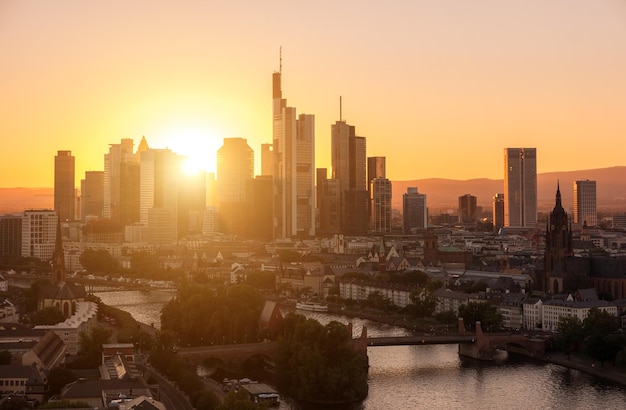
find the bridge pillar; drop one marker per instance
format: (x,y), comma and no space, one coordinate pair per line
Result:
(462,329)
(480,349)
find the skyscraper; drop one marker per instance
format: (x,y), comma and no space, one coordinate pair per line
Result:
(380,202)
(467,208)
(160,171)
(39,233)
(349,167)
(414,211)
(520,187)
(10,237)
(585,212)
(267,159)
(498,212)
(235,167)
(121,183)
(64,190)
(92,195)
(294,167)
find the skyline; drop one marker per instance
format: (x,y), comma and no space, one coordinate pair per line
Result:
(442,79)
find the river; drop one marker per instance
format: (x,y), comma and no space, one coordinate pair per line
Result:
(435,377)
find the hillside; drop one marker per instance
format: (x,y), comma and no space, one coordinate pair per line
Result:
(442,193)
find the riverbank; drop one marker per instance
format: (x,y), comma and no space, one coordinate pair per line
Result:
(577,362)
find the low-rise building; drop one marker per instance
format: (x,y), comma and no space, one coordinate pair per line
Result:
(554,309)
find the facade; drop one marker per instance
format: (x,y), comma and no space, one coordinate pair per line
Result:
(235,167)
(259,208)
(39,233)
(468,211)
(553,310)
(498,212)
(329,206)
(414,211)
(380,205)
(520,187)
(10,236)
(558,244)
(359,290)
(585,212)
(267,160)
(294,165)
(64,190)
(92,195)
(121,183)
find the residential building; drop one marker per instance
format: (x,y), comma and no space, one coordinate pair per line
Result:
(520,187)
(64,189)
(585,212)
(414,211)
(554,309)
(39,233)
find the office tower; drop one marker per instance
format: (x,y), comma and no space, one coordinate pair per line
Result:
(329,206)
(520,187)
(92,195)
(259,210)
(376,168)
(121,183)
(619,221)
(294,164)
(267,159)
(209,221)
(498,212)
(558,245)
(191,202)
(380,201)
(349,167)
(235,167)
(211,189)
(468,211)
(39,233)
(414,211)
(10,237)
(585,212)
(321,176)
(160,172)
(64,190)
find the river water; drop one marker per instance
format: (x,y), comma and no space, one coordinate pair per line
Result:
(435,377)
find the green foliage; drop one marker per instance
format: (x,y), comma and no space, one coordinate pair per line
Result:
(144,264)
(98,260)
(239,401)
(32,295)
(290,256)
(485,313)
(570,334)
(90,355)
(601,331)
(65,404)
(5,357)
(419,307)
(47,316)
(58,377)
(14,403)
(178,370)
(317,363)
(202,315)
(205,400)
(447,317)
(261,280)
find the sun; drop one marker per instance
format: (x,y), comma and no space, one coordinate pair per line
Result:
(199,147)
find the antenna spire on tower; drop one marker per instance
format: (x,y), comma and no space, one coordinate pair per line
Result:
(280,57)
(340,109)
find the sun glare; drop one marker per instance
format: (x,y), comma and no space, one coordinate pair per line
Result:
(199,146)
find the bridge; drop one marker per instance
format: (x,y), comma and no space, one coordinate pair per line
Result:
(477,345)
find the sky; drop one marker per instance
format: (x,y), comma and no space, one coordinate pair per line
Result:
(440,88)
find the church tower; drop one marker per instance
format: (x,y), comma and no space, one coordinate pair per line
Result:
(59,270)
(558,243)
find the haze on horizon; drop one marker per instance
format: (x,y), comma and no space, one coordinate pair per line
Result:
(439,88)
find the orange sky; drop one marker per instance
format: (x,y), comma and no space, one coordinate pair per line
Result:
(438,87)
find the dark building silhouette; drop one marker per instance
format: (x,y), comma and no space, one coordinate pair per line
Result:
(558,244)
(64,190)
(498,212)
(259,204)
(92,195)
(10,237)
(414,211)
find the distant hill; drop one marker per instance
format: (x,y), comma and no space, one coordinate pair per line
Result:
(442,193)
(19,199)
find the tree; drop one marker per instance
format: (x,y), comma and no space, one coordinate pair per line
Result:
(90,354)
(422,305)
(47,316)
(569,334)
(5,357)
(98,260)
(603,341)
(58,377)
(239,401)
(485,313)
(14,403)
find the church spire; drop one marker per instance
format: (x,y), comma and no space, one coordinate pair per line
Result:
(58,257)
